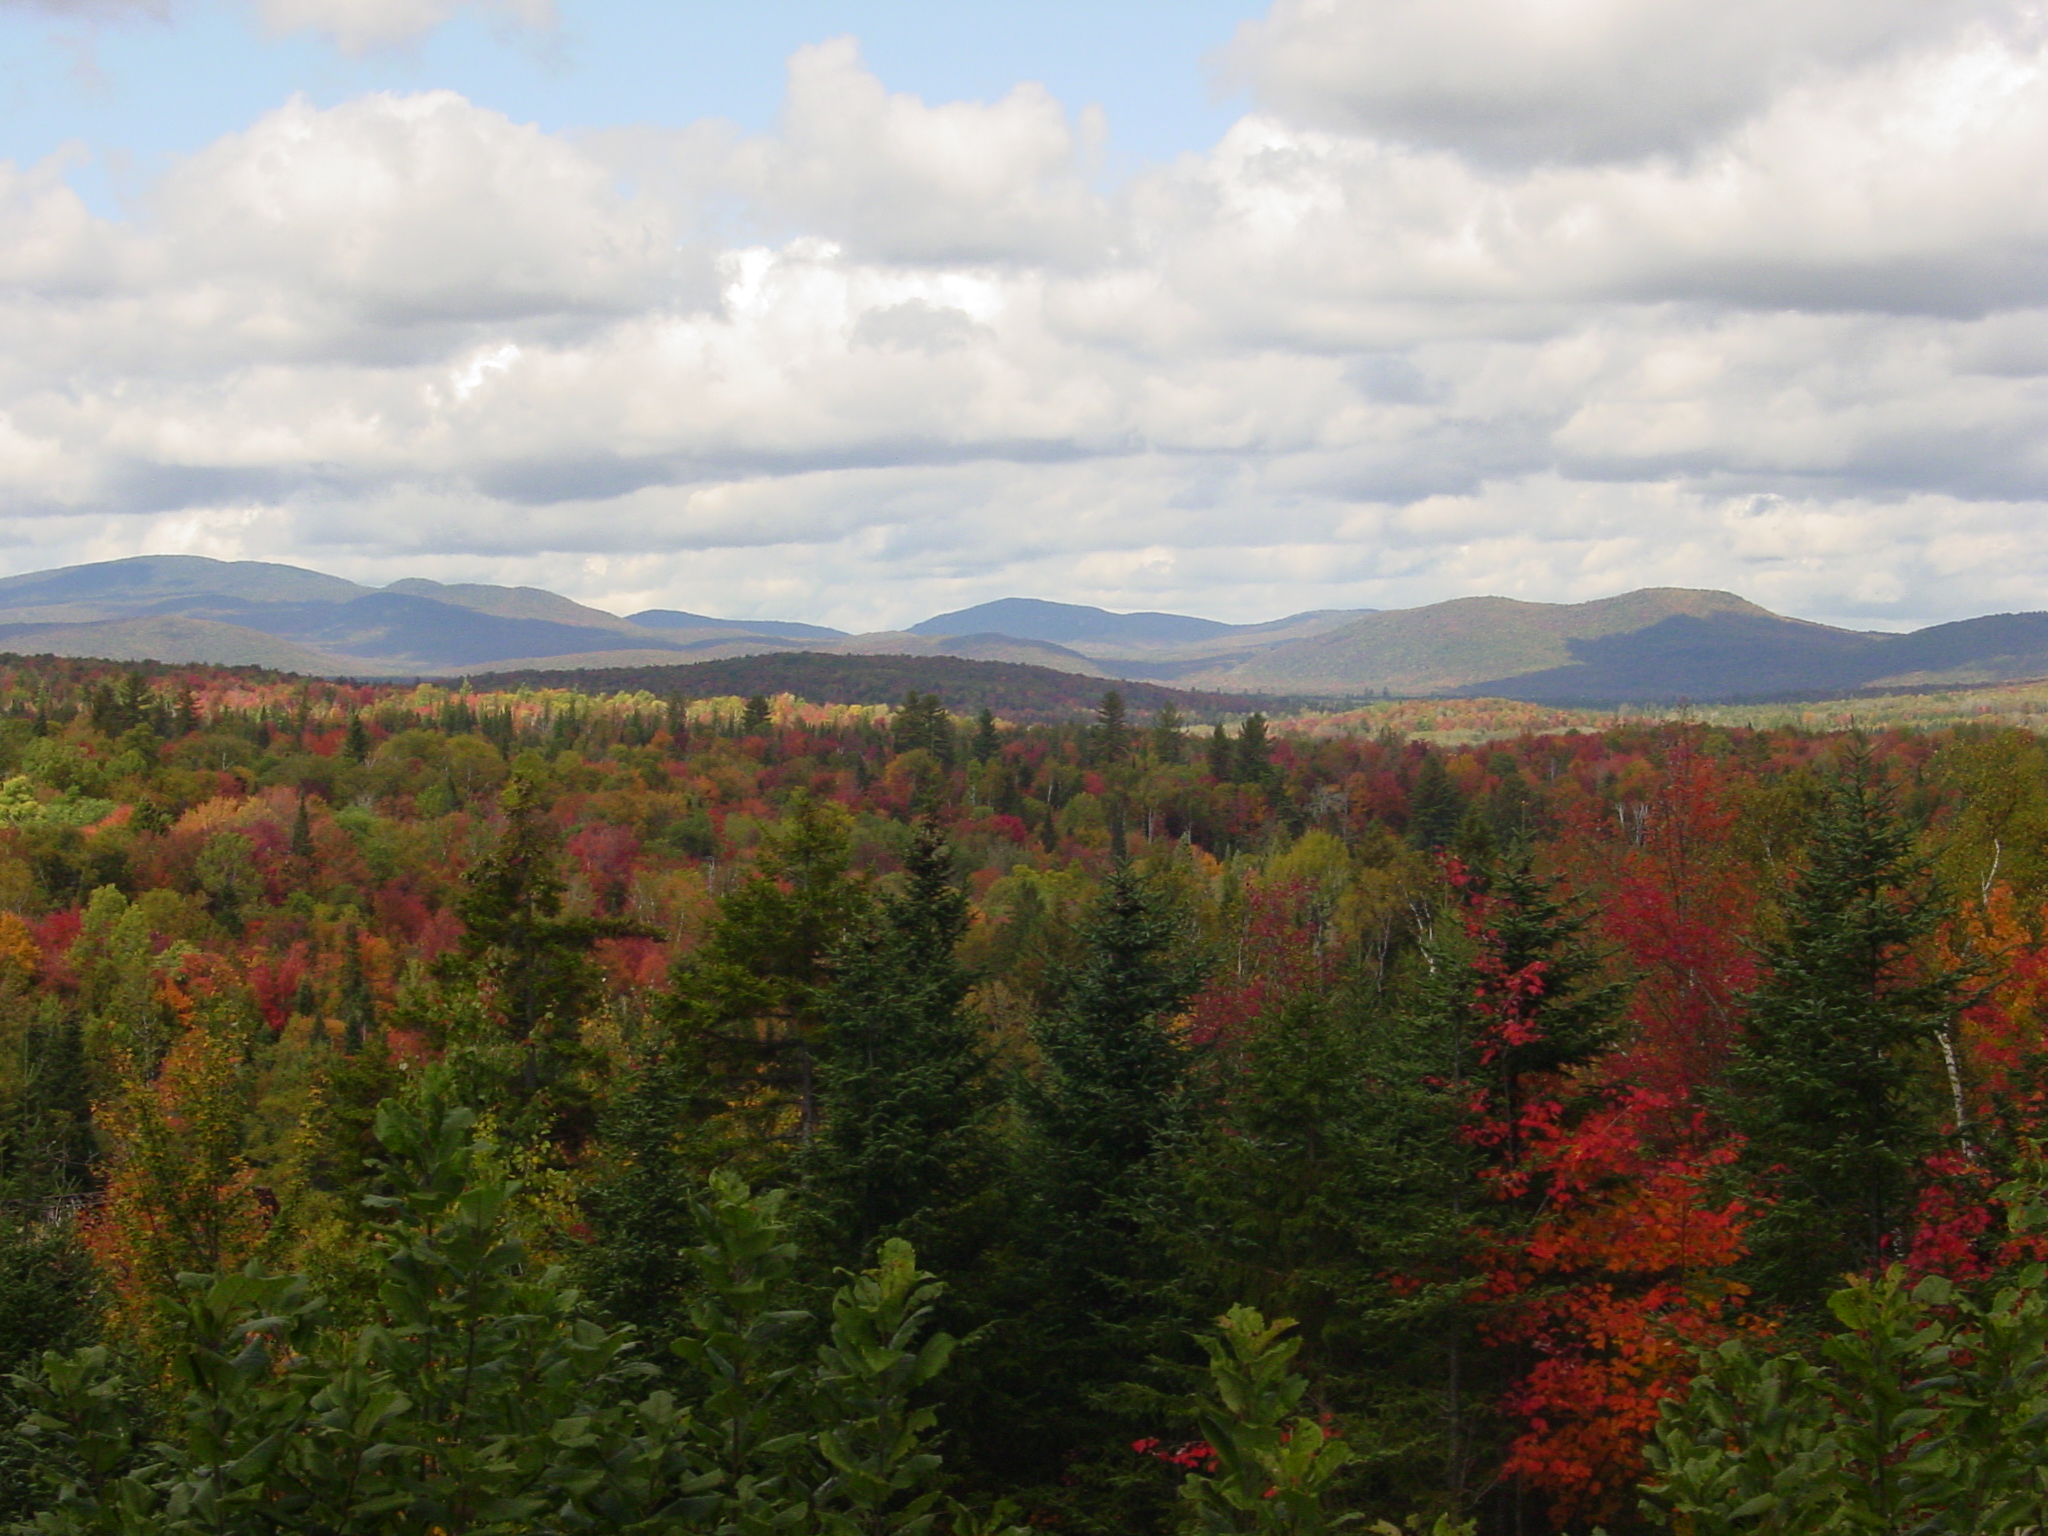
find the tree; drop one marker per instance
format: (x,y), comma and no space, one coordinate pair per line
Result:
(1435,808)
(483,1398)
(356,744)
(987,741)
(1169,735)
(1221,760)
(1104,1104)
(747,1005)
(921,723)
(1253,759)
(1823,1080)
(357,1004)
(756,716)
(905,1145)
(1273,1465)
(531,965)
(1911,1418)
(1110,739)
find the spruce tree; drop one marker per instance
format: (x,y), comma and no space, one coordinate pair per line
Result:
(1110,740)
(747,1004)
(531,965)
(1104,1106)
(987,742)
(1253,762)
(905,1145)
(755,716)
(357,1004)
(1169,739)
(1221,759)
(1435,808)
(1823,1081)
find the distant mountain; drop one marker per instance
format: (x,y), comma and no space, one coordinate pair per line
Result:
(1658,644)
(1479,643)
(111,589)
(188,608)
(1029,618)
(670,618)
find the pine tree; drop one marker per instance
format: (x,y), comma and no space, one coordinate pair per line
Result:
(756,716)
(356,744)
(1824,1076)
(905,1145)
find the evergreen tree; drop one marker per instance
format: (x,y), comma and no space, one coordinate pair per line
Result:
(530,965)
(1253,759)
(905,1145)
(1169,738)
(747,1004)
(1435,808)
(1102,1108)
(357,1005)
(987,742)
(355,745)
(302,832)
(756,716)
(1110,741)
(1824,1076)
(1221,759)
(921,723)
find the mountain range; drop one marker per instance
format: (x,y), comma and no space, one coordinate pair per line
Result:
(1657,644)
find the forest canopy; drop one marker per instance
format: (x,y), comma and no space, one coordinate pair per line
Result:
(452,1109)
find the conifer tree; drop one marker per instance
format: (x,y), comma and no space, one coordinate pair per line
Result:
(357,1004)
(1435,808)
(1823,1078)
(1102,1109)
(747,1003)
(905,1145)
(356,744)
(1111,738)
(1169,739)
(1221,758)
(987,741)
(755,717)
(1253,762)
(530,964)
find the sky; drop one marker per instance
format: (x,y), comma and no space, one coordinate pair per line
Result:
(861,312)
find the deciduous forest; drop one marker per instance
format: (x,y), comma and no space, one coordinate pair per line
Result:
(439,1111)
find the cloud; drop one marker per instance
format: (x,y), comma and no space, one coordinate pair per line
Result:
(1515,82)
(353,26)
(356,26)
(896,356)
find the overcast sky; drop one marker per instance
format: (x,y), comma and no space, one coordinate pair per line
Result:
(858,312)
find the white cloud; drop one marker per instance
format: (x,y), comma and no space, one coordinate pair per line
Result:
(1517,81)
(353,26)
(358,25)
(896,356)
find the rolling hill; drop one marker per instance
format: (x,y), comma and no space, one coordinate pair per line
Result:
(1658,644)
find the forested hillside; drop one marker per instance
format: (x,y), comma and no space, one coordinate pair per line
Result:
(447,1111)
